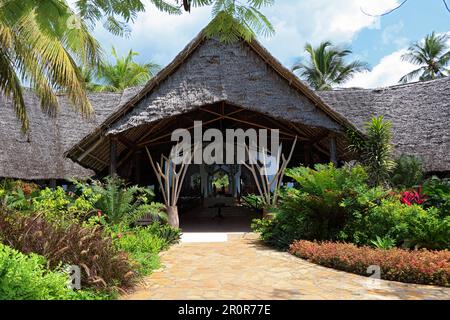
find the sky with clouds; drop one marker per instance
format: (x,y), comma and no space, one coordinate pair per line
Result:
(378,41)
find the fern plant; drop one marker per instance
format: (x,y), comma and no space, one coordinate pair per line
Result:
(125,205)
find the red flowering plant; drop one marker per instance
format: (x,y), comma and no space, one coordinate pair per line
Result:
(413,197)
(411,266)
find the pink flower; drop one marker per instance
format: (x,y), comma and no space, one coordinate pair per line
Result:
(119,235)
(99,213)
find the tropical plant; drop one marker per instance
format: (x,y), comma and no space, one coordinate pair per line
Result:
(142,246)
(125,205)
(39,46)
(326,66)
(323,201)
(253,201)
(383,243)
(375,149)
(231,19)
(438,194)
(407,172)
(122,74)
(413,196)
(102,266)
(432,55)
(25,277)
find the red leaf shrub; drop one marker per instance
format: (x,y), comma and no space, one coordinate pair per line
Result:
(102,265)
(413,197)
(419,266)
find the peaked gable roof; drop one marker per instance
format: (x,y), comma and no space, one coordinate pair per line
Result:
(208,71)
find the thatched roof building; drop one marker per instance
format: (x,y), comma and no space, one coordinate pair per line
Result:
(39,154)
(419,112)
(206,76)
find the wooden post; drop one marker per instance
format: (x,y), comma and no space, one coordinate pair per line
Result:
(333,149)
(112,156)
(137,167)
(52,183)
(307,149)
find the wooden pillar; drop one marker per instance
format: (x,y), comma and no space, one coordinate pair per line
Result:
(112,156)
(137,166)
(52,183)
(307,149)
(333,149)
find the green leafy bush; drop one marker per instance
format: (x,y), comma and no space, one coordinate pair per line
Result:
(103,266)
(409,226)
(144,243)
(375,149)
(407,172)
(320,205)
(125,205)
(25,277)
(383,243)
(438,195)
(253,201)
(413,266)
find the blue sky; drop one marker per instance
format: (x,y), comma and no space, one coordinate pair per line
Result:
(378,41)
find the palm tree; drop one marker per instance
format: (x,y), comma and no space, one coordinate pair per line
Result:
(40,45)
(326,66)
(122,74)
(432,55)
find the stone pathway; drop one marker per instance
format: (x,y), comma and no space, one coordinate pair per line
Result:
(243,268)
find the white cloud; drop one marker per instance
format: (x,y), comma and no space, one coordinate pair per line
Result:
(386,73)
(390,35)
(297,22)
(160,36)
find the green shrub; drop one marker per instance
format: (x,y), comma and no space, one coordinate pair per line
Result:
(143,244)
(437,192)
(407,172)
(414,266)
(125,205)
(320,205)
(169,234)
(25,277)
(383,243)
(409,226)
(142,247)
(103,267)
(375,149)
(252,201)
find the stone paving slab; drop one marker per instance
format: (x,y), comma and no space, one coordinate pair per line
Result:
(243,268)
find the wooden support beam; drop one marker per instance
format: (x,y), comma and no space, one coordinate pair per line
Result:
(112,155)
(307,150)
(227,116)
(333,149)
(88,151)
(126,142)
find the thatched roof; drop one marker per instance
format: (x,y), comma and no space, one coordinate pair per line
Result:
(206,72)
(39,154)
(420,114)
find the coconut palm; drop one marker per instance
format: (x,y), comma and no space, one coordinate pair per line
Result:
(231,19)
(327,67)
(122,74)
(40,45)
(432,55)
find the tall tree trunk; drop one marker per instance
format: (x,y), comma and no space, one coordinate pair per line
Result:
(172,213)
